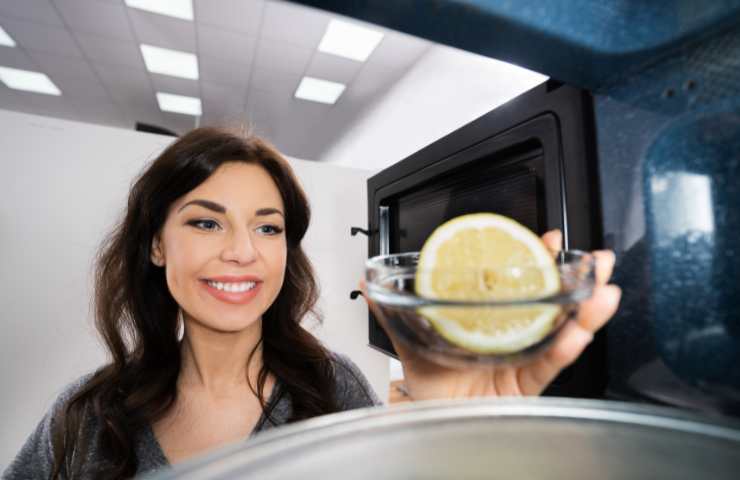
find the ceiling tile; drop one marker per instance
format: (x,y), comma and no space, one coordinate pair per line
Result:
(261,122)
(235,120)
(314,145)
(294,24)
(52,64)
(282,57)
(146,112)
(126,85)
(125,95)
(283,84)
(225,96)
(38,11)
(308,113)
(178,122)
(212,42)
(100,112)
(284,116)
(105,19)
(54,106)
(16,58)
(267,108)
(240,15)
(334,68)
(110,50)
(298,131)
(223,105)
(45,38)
(219,71)
(78,87)
(120,74)
(163,31)
(178,86)
(11,100)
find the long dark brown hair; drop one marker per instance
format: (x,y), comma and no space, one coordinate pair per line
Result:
(137,317)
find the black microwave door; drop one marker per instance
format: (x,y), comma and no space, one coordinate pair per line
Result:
(531,160)
(505,174)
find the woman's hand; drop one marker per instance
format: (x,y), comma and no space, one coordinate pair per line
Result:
(426,380)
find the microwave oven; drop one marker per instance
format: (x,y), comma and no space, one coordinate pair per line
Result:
(633,145)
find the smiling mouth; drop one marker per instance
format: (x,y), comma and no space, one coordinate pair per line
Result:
(235,287)
(238,293)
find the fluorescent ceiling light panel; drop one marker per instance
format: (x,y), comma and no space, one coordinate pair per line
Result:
(349,40)
(5,39)
(317,90)
(29,81)
(169,102)
(174,8)
(170,62)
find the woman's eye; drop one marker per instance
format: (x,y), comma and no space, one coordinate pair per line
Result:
(208,225)
(270,229)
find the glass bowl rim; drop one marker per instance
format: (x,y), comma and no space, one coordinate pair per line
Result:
(390,297)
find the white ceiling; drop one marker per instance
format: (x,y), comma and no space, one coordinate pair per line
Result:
(252,55)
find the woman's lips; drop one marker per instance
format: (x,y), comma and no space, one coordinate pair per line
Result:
(238,298)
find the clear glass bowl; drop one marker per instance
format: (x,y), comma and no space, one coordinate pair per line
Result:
(414,319)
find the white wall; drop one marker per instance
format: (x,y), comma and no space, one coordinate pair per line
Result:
(338,198)
(443,91)
(62,185)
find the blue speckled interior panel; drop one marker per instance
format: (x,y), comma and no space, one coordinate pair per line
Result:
(669,160)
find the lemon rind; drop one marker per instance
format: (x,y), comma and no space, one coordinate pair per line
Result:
(479,342)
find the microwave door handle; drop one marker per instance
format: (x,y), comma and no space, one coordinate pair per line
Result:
(384,230)
(355,230)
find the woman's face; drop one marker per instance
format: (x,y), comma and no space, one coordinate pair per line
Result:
(224,249)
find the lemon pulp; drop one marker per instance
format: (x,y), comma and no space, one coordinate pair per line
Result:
(488,257)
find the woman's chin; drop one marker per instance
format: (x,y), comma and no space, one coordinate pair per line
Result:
(226,326)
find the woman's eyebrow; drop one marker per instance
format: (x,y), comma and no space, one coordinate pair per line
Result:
(221,209)
(206,204)
(268,211)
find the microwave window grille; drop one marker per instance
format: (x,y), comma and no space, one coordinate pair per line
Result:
(514,193)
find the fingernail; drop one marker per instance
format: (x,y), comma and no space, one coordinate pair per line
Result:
(618,293)
(585,337)
(615,292)
(607,253)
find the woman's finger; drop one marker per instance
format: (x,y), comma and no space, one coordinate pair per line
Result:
(553,240)
(604,265)
(572,340)
(597,310)
(568,345)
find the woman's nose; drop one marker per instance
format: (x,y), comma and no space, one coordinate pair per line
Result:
(239,248)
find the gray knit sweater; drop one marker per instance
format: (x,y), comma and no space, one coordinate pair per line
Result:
(35,459)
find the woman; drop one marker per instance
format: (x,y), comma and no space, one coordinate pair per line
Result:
(198,295)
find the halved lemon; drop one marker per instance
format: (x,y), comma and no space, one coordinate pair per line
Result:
(488,257)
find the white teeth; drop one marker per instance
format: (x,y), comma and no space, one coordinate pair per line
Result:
(232,287)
